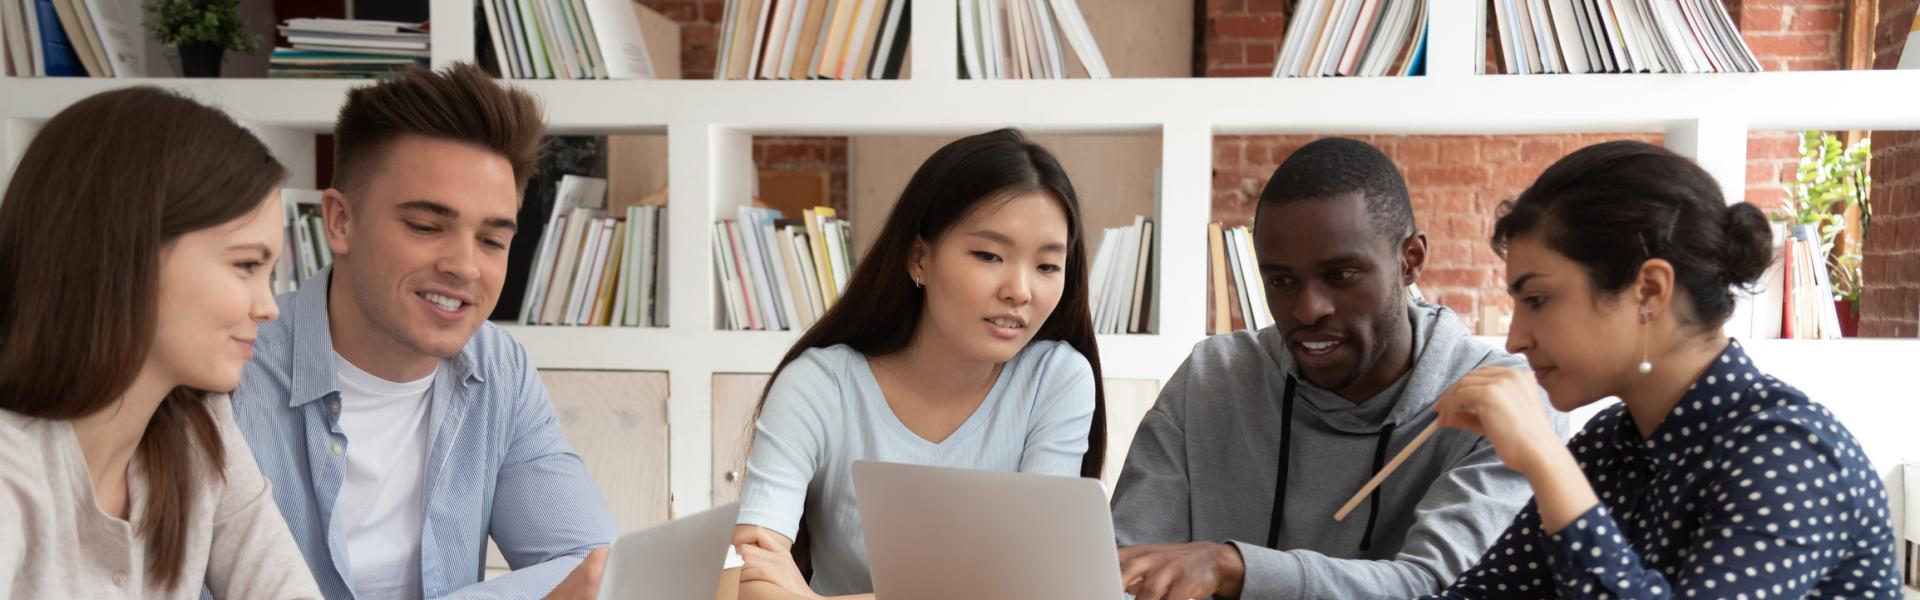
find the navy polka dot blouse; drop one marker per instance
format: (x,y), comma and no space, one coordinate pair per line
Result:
(1746,490)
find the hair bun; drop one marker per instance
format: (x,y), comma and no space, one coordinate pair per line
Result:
(1749,244)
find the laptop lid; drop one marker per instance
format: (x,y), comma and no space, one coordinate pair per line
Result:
(678,559)
(937,533)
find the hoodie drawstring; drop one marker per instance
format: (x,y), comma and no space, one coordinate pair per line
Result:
(1286,455)
(1373,511)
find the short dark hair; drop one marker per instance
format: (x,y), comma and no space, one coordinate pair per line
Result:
(1614,205)
(1332,167)
(460,103)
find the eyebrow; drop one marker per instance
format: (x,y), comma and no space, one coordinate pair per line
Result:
(264,251)
(995,236)
(1514,289)
(1337,261)
(448,212)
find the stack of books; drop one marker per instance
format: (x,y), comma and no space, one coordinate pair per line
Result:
(72,38)
(348,49)
(780,274)
(1122,279)
(1235,280)
(1808,311)
(1025,39)
(566,39)
(305,251)
(1355,38)
(813,39)
(1620,36)
(597,270)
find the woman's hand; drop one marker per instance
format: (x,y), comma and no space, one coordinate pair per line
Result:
(1502,405)
(768,559)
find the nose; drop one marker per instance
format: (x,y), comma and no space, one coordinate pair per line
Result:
(460,259)
(1312,304)
(1016,290)
(263,307)
(1519,334)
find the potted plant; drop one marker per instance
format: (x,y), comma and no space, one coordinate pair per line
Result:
(202,31)
(1832,178)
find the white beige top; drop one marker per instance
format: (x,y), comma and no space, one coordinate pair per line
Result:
(60,545)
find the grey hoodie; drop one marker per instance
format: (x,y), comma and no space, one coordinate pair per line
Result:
(1204,463)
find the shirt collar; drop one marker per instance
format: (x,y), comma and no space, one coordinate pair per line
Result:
(1726,386)
(312,375)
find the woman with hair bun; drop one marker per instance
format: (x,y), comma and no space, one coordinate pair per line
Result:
(1710,478)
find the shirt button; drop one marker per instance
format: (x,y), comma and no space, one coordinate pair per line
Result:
(334,406)
(336,449)
(119,579)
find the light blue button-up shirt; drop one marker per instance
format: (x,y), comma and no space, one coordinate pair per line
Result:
(497,463)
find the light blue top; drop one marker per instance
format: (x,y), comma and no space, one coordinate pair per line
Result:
(825,411)
(497,463)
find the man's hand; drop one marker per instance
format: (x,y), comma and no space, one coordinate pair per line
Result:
(584,581)
(1181,571)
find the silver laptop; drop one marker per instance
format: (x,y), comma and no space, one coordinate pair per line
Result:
(936,533)
(676,560)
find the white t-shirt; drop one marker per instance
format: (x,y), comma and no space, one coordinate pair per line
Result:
(382,504)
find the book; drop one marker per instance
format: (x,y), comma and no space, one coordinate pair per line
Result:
(723,265)
(809,272)
(789,41)
(1217,280)
(1255,289)
(611,278)
(749,294)
(806,27)
(573,243)
(777,265)
(584,271)
(756,268)
(838,28)
(1142,280)
(761,18)
(816,232)
(792,282)
(617,35)
(893,41)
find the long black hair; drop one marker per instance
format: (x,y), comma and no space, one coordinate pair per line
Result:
(1614,205)
(879,310)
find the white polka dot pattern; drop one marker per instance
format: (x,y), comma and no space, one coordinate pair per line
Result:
(1747,490)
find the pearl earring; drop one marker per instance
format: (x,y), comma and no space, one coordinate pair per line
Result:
(1646,317)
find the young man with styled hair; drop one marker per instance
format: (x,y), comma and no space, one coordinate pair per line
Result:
(400,429)
(1235,474)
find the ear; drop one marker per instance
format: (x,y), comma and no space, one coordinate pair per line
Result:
(1413,257)
(338,214)
(917,257)
(1653,286)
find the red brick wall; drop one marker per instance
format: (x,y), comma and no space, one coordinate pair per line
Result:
(1890,304)
(700,29)
(1454,190)
(1456,183)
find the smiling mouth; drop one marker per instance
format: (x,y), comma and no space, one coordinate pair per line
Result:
(1006,323)
(447,303)
(1319,348)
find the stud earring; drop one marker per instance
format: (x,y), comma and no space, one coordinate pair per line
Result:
(1646,317)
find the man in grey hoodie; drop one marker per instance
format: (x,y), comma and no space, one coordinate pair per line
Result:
(1234,476)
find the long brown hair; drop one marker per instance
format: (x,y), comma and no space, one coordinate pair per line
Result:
(102,189)
(881,307)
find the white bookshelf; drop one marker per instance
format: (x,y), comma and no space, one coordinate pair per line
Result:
(710,126)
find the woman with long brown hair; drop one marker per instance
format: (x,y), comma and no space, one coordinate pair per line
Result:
(137,242)
(964,339)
